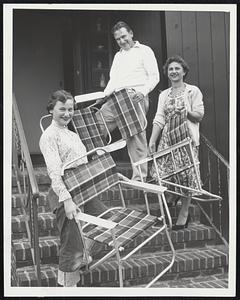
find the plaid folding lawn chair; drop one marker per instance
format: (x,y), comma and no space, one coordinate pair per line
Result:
(128,120)
(178,163)
(85,123)
(117,226)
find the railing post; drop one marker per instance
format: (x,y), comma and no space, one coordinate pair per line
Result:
(36,238)
(33,216)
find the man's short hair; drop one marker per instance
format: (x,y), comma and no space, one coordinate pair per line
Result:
(119,25)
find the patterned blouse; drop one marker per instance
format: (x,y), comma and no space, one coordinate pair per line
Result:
(60,145)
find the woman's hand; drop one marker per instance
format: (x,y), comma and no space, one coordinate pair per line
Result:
(194,116)
(151,147)
(70,208)
(156,131)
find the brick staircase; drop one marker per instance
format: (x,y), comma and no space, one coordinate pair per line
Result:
(198,253)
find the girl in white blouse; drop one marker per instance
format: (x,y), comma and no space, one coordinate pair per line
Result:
(60,145)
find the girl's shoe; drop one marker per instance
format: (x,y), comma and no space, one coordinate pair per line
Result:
(180,227)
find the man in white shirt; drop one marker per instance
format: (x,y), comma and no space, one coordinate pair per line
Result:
(134,67)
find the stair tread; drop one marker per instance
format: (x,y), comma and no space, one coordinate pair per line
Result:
(49,245)
(206,258)
(216,249)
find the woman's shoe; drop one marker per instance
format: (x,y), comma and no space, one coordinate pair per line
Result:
(180,227)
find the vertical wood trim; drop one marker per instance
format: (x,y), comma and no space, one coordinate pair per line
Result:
(213,76)
(173,29)
(220,81)
(197,47)
(181,28)
(227,44)
(206,74)
(190,46)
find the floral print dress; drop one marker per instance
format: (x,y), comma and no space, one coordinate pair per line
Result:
(176,130)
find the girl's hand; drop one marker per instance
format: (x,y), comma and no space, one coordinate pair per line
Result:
(70,208)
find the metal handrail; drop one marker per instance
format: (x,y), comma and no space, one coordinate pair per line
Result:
(24,147)
(211,147)
(220,158)
(33,193)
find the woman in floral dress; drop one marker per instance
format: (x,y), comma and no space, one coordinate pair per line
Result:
(180,109)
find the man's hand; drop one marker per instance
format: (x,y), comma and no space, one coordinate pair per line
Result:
(138,96)
(70,208)
(101,100)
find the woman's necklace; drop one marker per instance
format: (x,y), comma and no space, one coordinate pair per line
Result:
(175,91)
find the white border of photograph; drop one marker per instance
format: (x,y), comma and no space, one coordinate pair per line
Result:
(7,155)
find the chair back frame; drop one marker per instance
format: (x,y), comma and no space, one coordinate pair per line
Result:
(163,180)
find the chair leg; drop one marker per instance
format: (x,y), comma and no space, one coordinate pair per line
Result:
(171,263)
(120,268)
(120,272)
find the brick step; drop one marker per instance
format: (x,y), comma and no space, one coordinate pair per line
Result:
(215,281)
(47,222)
(196,235)
(16,211)
(140,269)
(19,200)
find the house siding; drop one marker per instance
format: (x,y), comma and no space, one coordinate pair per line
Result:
(202,38)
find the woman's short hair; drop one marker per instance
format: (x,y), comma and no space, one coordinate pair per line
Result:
(178,59)
(60,95)
(119,25)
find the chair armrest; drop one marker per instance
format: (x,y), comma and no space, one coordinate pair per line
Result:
(95,220)
(162,152)
(148,187)
(89,97)
(115,146)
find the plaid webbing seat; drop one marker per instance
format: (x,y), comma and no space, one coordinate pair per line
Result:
(91,179)
(119,225)
(178,128)
(178,158)
(131,223)
(86,125)
(127,118)
(178,164)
